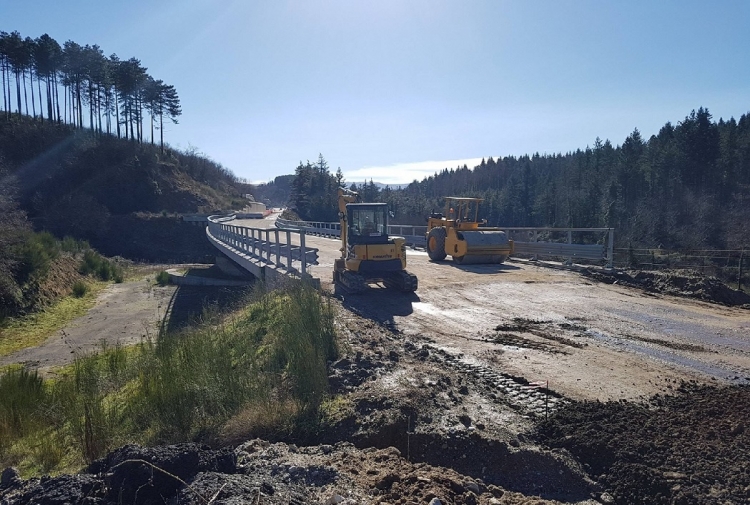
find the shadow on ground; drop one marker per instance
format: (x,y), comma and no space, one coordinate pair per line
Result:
(487,268)
(190,303)
(379,304)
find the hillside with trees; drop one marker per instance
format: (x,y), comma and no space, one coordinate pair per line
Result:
(83,156)
(113,95)
(686,187)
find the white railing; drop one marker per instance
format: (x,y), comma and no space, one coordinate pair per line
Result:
(254,248)
(558,242)
(414,235)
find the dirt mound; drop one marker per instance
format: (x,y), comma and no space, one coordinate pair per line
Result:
(256,472)
(678,283)
(685,449)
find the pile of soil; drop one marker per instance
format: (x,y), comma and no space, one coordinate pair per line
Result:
(671,282)
(256,472)
(683,449)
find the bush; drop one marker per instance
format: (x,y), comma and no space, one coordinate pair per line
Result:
(37,252)
(80,289)
(162,278)
(73,246)
(95,264)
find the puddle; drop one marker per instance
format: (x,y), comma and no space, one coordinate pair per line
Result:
(683,324)
(667,356)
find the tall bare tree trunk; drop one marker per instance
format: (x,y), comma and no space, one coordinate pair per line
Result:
(57,97)
(117,113)
(39,89)
(25,95)
(18,92)
(33,105)
(49,99)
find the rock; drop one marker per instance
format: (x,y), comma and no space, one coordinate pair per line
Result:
(473,487)
(267,488)
(496,491)
(606,498)
(387,481)
(335,499)
(327,449)
(9,477)
(435,501)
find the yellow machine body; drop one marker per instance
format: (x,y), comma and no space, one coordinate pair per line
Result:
(368,254)
(460,233)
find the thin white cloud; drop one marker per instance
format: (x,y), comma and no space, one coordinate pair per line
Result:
(404,173)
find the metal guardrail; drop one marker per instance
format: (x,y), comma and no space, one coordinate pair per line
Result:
(272,246)
(526,241)
(414,235)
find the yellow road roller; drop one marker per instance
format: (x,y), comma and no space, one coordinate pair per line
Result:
(459,233)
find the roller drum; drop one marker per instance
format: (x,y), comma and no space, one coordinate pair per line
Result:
(484,247)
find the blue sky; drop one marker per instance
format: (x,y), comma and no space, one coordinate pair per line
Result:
(394,90)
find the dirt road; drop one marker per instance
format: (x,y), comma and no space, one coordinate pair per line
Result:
(124,313)
(589,340)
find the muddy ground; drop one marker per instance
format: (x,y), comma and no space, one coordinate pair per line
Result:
(441,396)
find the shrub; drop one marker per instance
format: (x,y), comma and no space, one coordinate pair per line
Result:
(37,252)
(71,245)
(162,278)
(80,289)
(95,264)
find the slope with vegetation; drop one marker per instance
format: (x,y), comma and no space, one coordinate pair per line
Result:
(259,371)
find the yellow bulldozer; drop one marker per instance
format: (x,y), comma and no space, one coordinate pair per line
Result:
(368,254)
(459,233)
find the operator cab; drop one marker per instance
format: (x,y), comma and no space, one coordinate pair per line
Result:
(368,223)
(463,209)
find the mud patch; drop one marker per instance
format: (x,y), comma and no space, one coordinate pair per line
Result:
(512,340)
(688,448)
(543,329)
(678,346)
(677,283)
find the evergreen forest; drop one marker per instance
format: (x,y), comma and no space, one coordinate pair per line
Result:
(686,187)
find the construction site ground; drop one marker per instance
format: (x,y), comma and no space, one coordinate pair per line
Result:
(440,394)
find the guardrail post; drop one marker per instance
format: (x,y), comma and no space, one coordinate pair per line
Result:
(270,245)
(303,256)
(570,241)
(288,251)
(611,249)
(278,248)
(536,239)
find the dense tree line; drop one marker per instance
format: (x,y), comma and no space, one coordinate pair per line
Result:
(314,188)
(78,84)
(686,187)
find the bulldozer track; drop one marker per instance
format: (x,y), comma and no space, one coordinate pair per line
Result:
(516,392)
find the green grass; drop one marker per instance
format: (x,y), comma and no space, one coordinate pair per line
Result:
(28,331)
(260,371)
(162,278)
